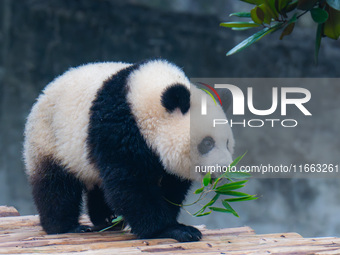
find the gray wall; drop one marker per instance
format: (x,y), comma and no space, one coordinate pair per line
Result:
(41,39)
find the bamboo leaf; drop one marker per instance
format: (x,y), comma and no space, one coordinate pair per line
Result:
(230,184)
(234,163)
(118,219)
(256,2)
(291,6)
(217,209)
(228,207)
(318,42)
(224,191)
(239,24)
(254,38)
(203,214)
(198,191)
(211,202)
(114,223)
(240,199)
(206,179)
(235,193)
(319,15)
(241,28)
(238,175)
(270,9)
(240,14)
(331,27)
(257,15)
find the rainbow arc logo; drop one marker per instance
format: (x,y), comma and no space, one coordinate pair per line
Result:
(209,93)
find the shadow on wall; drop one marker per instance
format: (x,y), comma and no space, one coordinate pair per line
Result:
(42,39)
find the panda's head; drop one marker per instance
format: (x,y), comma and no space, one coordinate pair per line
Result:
(162,100)
(211,147)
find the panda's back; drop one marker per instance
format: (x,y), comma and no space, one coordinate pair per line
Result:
(58,123)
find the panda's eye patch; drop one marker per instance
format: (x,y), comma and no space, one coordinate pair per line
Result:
(206,145)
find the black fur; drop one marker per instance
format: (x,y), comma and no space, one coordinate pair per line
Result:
(100,213)
(58,196)
(135,183)
(176,96)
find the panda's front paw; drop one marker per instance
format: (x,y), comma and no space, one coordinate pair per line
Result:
(182,233)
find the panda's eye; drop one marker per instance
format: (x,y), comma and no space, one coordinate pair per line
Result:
(227,144)
(206,145)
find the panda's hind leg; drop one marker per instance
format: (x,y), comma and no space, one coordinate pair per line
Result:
(58,197)
(100,213)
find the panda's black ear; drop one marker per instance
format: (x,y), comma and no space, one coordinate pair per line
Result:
(176,96)
(226,98)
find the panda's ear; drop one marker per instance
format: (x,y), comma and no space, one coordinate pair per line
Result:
(176,96)
(226,98)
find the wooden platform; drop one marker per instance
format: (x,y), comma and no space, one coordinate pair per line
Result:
(23,235)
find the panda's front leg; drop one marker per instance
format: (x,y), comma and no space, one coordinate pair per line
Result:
(142,203)
(174,190)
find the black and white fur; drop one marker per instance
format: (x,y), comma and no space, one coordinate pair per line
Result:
(120,133)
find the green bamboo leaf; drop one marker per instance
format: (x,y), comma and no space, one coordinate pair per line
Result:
(228,207)
(211,202)
(224,191)
(231,184)
(335,4)
(239,24)
(240,14)
(331,27)
(198,191)
(318,42)
(217,209)
(269,6)
(206,179)
(118,219)
(256,2)
(293,19)
(235,193)
(257,15)
(281,5)
(254,38)
(114,223)
(238,175)
(292,6)
(241,28)
(240,199)
(203,214)
(319,15)
(234,163)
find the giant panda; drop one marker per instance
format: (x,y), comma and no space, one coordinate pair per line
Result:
(118,133)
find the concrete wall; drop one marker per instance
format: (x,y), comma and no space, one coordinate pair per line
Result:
(41,39)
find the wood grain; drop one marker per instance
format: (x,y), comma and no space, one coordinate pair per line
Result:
(23,235)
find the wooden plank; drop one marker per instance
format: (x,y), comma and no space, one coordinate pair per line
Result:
(24,235)
(7,211)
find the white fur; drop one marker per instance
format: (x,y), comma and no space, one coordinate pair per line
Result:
(58,123)
(168,134)
(201,127)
